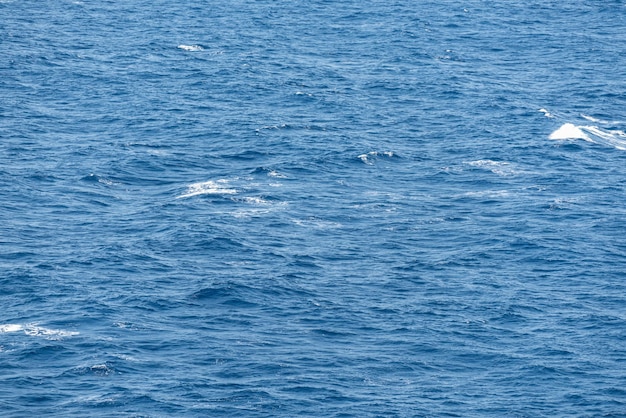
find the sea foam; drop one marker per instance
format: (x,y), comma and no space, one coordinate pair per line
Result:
(207,187)
(37,331)
(569,131)
(591,133)
(190,47)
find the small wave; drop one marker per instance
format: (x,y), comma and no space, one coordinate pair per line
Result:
(272,127)
(563,203)
(94,178)
(615,138)
(591,133)
(37,331)
(190,47)
(100,369)
(601,121)
(126,325)
(501,168)
(317,223)
(103,369)
(546,113)
(230,294)
(490,194)
(256,206)
(207,187)
(269,172)
(256,200)
(592,119)
(370,157)
(11,328)
(276,174)
(569,131)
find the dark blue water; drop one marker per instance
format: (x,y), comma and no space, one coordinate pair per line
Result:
(312,208)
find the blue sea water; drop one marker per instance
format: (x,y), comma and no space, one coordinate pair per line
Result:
(312,208)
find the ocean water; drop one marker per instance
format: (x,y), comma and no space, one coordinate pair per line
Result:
(312,208)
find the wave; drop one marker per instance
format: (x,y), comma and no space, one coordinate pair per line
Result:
(317,223)
(601,121)
(591,133)
(370,157)
(252,200)
(191,48)
(569,131)
(207,187)
(255,200)
(603,131)
(615,138)
(546,113)
(501,168)
(37,331)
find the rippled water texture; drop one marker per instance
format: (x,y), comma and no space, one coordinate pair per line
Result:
(312,208)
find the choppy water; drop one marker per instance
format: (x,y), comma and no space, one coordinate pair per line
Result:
(312,208)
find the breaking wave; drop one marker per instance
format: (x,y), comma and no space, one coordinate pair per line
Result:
(602,132)
(37,331)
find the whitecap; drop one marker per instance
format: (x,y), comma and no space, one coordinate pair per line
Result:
(546,113)
(614,138)
(125,357)
(37,331)
(255,200)
(601,121)
(276,174)
(564,203)
(366,158)
(271,127)
(489,194)
(501,168)
(488,163)
(592,133)
(190,47)
(257,206)
(11,328)
(100,369)
(371,156)
(569,131)
(48,333)
(592,119)
(207,187)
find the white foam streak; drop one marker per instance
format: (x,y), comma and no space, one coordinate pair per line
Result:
(207,187)
(592,119)
(37,331)
(276,174)
(615,138)
(611,138)
(372,155)
(490,194)
(316,223)
(501,168)
(602,121)
(255,200)
(11,328)
(546,113)
(190,48)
